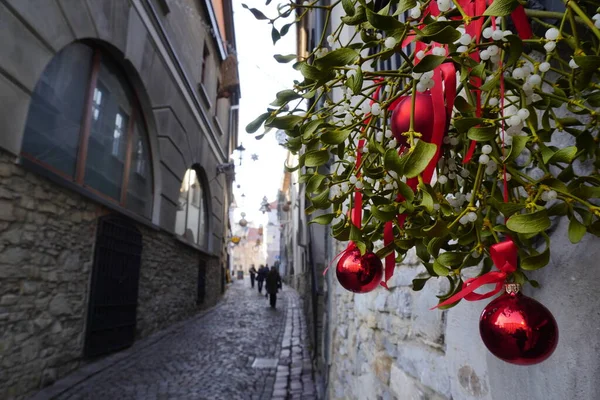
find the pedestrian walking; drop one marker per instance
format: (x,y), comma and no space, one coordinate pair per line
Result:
(261,276)
(273,284)
(252,272)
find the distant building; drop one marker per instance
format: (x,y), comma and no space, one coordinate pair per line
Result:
(117,120)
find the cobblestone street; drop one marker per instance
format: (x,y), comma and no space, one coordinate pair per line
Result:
(241,349)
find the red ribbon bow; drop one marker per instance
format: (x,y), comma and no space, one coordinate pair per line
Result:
(504,256)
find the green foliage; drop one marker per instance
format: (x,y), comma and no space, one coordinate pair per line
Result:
(344,102)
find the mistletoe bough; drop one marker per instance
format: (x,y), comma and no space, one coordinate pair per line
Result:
(449,125)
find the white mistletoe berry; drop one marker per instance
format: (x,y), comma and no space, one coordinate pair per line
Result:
(442,179)
(552,34)
(420,54)
(523,113)
(573,64)
(498,34)
(465,39)
(376,109)
(487,32)
(415,13)
(471,216)
(544,67)
(486,149)
(549,46)
(484,159)
(534,79)
(390,42)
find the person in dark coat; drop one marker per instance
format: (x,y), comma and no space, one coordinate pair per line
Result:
(260,278)
(272,285)
(252,272)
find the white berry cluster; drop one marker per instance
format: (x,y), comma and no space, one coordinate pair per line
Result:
(425,80)
(596,19)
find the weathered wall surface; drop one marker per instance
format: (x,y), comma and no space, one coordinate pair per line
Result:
(389,345)
(47,236)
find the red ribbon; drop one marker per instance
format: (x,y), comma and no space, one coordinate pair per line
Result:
(504,256)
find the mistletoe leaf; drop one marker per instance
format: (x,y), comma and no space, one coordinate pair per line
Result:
(324,219)
(383,22)
(501,8)
(463,124)
(393,162)
(316,158)
(335,136)
(576,230)
(482,133)
(535,222)
(419,158)
(314,183)
(514,50)
(358,18)
(285,122)
(348,6)
(405,191)
(275,35)
(337,58)
(440,269)
(254,125)
(428,63)
(588,63)
(257,13)
(537,261)
(405,5)
(564,155)
(355,82)
(419,283)
(280,58)
(518,144)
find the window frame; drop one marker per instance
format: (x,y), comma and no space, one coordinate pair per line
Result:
(204,210)
(77,180)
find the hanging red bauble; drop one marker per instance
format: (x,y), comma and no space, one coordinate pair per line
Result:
(423,122)
(517,329)
(359,273)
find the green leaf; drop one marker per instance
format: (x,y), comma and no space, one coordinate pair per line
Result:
(445,35)
(405,191)
(284,59)
(537,261)
(287,95)
(535,222)
(439,269)
(428,63)
(451,259)
(482,133)
(514,50)
(310,72)
(576,230)
(501,8)
(337,58)
(285,122)
(588,63)
(518,144)
(314,183)
(355,82)
(321,201)
(284,29)
(383,22)
(565,155)
(419,283)
(348,7)
(335,136)
(324,219)
(427,201)
(462,105)
(384,213)
(438,229)
(405,5)
(392,161)
(275,35)
(463,124)
(316,158)
(257,14)
(254,125)
(358,18)
(419,158)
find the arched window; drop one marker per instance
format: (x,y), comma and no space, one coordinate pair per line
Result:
(192,214)
(85,125)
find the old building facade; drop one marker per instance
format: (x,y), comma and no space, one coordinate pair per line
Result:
(117,119)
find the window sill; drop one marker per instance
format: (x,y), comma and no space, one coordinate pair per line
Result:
(204,96)
(218,125)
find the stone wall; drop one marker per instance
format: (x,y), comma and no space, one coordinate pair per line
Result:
(47,236)
(390,345)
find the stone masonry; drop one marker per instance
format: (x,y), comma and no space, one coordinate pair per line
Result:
(47,236)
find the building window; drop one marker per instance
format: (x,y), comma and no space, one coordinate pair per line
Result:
(192,213)
(205,64)
(84,124)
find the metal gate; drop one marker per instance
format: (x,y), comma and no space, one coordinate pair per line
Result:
(114,289)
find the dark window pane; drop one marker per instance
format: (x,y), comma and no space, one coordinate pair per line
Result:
(56,111)
(111,111)
(193,213)
(139,189)
(180,219)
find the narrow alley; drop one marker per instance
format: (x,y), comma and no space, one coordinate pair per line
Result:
(240,349)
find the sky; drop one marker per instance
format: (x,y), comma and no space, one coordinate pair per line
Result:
(261,77)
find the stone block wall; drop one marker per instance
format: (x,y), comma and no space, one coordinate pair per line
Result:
(47,236)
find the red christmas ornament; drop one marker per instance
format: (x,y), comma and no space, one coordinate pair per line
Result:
(517,329)
(423,122)
(359,274)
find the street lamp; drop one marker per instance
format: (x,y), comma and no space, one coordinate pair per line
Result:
(241,149)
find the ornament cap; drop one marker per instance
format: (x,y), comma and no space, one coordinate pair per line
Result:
(512,288)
